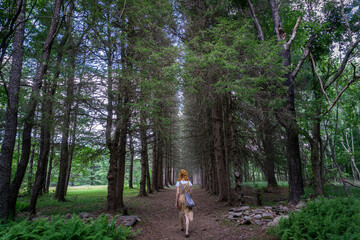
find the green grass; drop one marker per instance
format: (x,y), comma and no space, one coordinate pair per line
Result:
(79,199)
(262,184)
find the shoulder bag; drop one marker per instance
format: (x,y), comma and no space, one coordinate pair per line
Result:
(189,202)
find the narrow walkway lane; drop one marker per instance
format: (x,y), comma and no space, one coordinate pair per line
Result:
(160,218)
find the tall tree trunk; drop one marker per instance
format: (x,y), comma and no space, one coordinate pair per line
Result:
(112,177)
(214,187)
(64,148)
(333,152)
(315,140)
(296,187)
(167,174)
(112,143)
(160,155)
(48,176)
(154,177)
(8,143)
(31,167)
(40,72)
(122,153)
(144,154)
(225,136)
(269,149)
(72,146)
(235,153)
(47,116)
(222,179)
(132,154)
(148,178)
(49,109)
(315,156)
(41,168)
(31,170)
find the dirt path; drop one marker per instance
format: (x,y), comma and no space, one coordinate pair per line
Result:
(160,218)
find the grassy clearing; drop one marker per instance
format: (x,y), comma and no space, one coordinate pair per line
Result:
(79,199)
(52,225)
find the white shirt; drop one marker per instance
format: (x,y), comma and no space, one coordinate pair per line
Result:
(183,182)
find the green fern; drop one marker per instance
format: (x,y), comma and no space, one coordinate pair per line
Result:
(63,229)
(328,219)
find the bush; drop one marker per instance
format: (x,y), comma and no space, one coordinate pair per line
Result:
(324,219)
(63,229)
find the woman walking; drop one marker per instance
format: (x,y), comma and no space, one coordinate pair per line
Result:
(185,213)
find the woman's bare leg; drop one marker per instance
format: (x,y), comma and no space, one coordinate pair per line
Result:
(187,225)
(182,224)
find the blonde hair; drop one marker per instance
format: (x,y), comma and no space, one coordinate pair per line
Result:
(183,175)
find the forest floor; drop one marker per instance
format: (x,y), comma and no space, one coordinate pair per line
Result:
(160,217)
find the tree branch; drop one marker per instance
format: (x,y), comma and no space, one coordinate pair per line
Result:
(302,60)
(293,35)
(345,19)
(318,77)
(342,91)
(256,22)
(122,11)
(344,62)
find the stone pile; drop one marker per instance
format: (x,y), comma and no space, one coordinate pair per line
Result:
(265,216)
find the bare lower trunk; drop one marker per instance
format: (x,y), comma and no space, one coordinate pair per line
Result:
(44,151)
(112,178)
(218,153)
(31,170)
(121,163)
(154,179)
(160,155)
(294,165)
(132,154)
(144,155)
(235,155)
(315,158)
(333,152)
(72,148)
(48,177)
(148,179)
(269,149)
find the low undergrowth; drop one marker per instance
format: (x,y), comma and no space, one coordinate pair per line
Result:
(323,218)
(60,228)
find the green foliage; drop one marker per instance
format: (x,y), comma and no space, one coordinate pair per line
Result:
(324,219)
(262,184)
(22,206)
(230,57)
(336,190)
(60,228)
